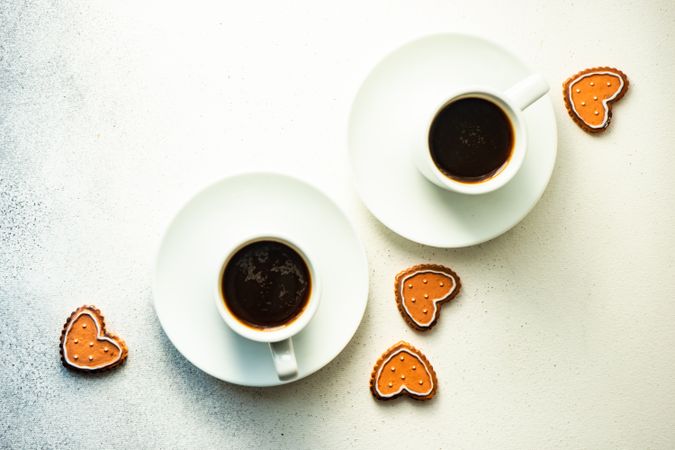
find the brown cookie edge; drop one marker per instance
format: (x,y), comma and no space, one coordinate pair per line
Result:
(419,354)
(568,101)
(99,316)
(437,315)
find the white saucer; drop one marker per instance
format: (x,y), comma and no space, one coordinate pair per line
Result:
(211,222)
(380,136)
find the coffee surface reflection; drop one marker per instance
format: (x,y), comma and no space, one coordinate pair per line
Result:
(266,284)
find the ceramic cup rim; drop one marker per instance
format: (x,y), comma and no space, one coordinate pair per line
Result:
(281,332)
(508,170)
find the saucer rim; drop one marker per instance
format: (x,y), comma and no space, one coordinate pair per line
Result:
(244,174)
(358,185)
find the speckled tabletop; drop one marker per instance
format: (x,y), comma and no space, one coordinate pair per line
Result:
(113,113)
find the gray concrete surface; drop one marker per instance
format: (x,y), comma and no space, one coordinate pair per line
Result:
(113,113)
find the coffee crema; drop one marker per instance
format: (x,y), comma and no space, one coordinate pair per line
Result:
(266,284)
(471,140)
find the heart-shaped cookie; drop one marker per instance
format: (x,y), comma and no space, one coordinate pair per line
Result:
(87,346)
(403,370)
(589,96)
(421,290)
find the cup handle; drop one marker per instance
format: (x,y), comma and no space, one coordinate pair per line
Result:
(283,356)
(527,91)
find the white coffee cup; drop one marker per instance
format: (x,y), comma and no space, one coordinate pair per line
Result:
(512,102)
(279,337)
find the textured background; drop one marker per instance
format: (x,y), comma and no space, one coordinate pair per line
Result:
(112,113)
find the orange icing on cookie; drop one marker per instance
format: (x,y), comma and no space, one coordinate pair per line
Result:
(86,345)
(589,96)
(420,291)
(403,370)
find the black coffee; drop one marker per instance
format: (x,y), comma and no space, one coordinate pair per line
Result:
(471,139)
(266,284)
